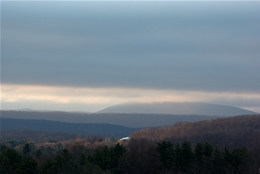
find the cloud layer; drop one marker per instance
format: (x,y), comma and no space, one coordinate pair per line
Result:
(94,99)
(211,47)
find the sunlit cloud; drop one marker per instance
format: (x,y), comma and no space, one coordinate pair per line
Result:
(110,96)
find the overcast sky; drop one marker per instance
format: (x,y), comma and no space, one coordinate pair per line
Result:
(85,56)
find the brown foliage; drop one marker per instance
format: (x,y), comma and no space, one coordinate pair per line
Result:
(232,132)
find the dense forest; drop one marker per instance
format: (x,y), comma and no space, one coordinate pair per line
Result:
(232,132)
(221,146)
(139,156)
(38,136)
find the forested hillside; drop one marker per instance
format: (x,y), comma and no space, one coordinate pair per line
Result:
(239,132)
(226,146)
(230,132)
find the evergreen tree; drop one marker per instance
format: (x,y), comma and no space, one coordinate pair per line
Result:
(187,157)
(9,161)
(26,149)
(166,152)
(27,166)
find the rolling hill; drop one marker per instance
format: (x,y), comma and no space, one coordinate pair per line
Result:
(86,129)
(136,115)
(129,120)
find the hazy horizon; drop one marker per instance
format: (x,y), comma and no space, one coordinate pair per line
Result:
(86,56)
(144,106)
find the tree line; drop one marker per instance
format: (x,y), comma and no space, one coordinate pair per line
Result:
(138,156)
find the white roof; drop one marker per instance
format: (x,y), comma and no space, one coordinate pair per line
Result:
(125,138)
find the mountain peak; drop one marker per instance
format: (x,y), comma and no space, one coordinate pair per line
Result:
(178,108)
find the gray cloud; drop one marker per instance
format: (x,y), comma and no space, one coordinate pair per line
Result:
(191,46)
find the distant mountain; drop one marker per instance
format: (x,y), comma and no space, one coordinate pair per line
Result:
(27,109)
(55,126)
(123,119)
(45,110)
(178,108)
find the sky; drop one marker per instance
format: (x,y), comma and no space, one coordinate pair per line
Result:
(86,55)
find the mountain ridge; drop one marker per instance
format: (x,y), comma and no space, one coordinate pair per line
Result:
(178,108)
(57,126)
(124,119)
